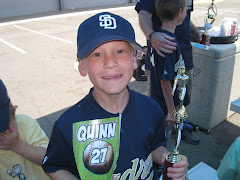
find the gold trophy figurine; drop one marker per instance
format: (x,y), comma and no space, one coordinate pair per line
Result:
(180,114)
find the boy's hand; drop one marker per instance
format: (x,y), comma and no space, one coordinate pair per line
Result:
(9,138)
(179,170)
(170,119)
(162,43)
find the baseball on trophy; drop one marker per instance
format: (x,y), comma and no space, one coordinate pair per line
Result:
(98,157)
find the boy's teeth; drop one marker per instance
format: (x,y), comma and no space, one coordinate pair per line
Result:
(112,77)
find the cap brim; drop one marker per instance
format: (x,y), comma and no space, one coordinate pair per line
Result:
(90,46)
(4,114)
(136,46)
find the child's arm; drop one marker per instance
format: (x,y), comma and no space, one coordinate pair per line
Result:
(158,155)
(10,141)
(179,170)
(62,175)
(167,93)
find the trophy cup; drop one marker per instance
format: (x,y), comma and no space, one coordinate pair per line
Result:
(180,114)
(212,12)
(207,26)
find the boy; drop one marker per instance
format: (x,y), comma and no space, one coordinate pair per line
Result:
(162,43)
(23,143)
(163,70)
(113,133)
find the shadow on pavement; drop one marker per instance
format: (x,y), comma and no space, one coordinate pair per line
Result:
(47,122)
(213,146)
(138,86)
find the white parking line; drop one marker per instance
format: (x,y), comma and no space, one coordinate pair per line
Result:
(206,1)
(12,46)
(65,15)
(43,34)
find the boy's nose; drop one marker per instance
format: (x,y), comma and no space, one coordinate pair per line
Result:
(110,61)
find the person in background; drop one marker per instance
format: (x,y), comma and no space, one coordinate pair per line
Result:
(23,143)
(230,165)
(165,69)
(163,44)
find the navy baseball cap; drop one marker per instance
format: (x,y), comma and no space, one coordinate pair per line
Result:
(101,28)
(4,108)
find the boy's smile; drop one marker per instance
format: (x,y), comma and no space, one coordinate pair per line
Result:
(112,77)
(110,67)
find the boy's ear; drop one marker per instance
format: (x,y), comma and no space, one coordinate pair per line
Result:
(179,11)
(81,68)
(135,65)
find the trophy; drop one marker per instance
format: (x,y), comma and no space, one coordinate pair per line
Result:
(180,114)
(207,26)
(212,12)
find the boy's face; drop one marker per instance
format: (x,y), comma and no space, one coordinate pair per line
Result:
(109,67)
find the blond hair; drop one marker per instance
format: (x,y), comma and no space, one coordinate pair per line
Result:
(12,111)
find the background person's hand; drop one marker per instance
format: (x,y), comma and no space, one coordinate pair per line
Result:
(162,43)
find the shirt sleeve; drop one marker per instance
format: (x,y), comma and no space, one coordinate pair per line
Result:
(147,5)
(190,4)
(59,155)
(230,165)
(31,132)
(165,66)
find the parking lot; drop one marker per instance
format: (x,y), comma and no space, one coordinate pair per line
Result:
(37,59)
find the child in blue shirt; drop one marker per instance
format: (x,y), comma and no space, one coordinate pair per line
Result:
(163,70)
(84,139)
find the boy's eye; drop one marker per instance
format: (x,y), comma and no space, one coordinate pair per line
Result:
(97,54)
(120,51)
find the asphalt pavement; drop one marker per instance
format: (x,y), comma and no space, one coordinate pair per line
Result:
(37,56)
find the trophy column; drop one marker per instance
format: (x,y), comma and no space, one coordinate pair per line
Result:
(180,114)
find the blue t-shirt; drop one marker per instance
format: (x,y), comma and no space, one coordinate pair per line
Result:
(142,131)
(166,69)
(182,31)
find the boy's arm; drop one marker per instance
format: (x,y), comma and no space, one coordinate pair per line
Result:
(161,42)
(178,171)
(167,93)
(11,141)
(158,155)
(62,175)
